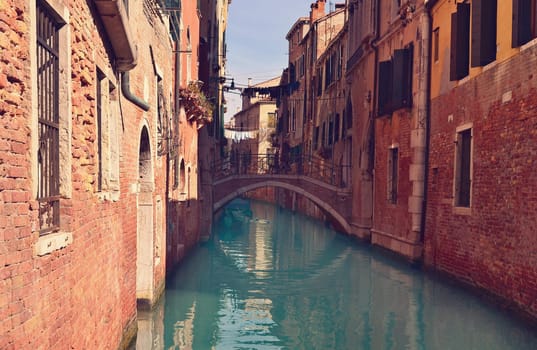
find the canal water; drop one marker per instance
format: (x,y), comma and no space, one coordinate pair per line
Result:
(271,279)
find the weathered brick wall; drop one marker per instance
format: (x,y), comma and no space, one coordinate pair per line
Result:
(15,221)
(493,246)
(82,296)
(388,217)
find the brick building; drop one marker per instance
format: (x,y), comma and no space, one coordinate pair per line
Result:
(360,105)
(481,205)
(400,126)
(98,165)
(211,143)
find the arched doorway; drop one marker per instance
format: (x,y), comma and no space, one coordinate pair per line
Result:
(144,241)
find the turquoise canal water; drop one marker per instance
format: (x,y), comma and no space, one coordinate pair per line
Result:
(270,279)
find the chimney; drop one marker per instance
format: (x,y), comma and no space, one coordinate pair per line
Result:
(317,10)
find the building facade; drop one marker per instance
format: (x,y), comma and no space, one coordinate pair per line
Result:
(211,144)
(98,165)
(400,127)
(480,208)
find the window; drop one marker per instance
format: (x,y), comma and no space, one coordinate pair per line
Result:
(336,128)
(436,43)
(385,88)
(293,119)
(176,171)
(107,141)
(524,21)
(483,32)
(271,120)
(319,78)
(323,135)
(163,122)
(330,132)
(393,160)
(101,101)
(396,4)
(340,62)
(182,174)
(348,114)
(48,97)
(292,73)
(460,42)
(327,72)
(188,56)
(463,168)
(316,138)
(395,82)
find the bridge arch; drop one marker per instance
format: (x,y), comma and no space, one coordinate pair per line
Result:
(327,208)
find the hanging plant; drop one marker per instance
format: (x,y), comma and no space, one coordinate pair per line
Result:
(197,106)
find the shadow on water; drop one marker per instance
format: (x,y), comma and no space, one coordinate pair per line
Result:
(270,279)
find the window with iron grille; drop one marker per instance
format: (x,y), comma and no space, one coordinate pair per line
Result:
(393,161)
(48,102)
(463,165)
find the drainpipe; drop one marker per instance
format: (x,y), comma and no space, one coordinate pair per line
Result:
(374,45)
(126,90)
(428,42)
(419,136)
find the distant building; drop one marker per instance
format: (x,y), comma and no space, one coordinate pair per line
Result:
(255,125)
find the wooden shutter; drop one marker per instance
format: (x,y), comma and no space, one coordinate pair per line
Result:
(483,32)
(292,73)
(521,22)
(336,128)
(385,88)
(402,78)
(460,42)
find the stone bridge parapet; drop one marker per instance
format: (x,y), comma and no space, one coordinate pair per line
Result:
(333,200)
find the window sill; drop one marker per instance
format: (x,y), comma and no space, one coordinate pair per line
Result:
(108,196)
(462,211)
(528,45)
(52,242)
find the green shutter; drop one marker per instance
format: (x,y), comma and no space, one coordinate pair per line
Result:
(402,78)
(460,42)
(521,22)
(483,32)
(385,88)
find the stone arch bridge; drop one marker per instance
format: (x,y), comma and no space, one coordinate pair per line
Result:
(312,178)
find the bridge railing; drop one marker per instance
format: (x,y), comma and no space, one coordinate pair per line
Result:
(269,164)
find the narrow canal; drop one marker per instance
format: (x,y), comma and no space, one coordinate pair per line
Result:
(270,279)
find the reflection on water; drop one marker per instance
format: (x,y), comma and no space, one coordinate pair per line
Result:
(269,279)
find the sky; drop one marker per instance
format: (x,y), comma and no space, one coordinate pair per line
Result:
(256,44)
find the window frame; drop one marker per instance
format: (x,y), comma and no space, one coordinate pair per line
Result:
(392,174)
(524,26)
(484,32)
(460,42)
(436,44)
(50,188)
(107,134)
(458,202)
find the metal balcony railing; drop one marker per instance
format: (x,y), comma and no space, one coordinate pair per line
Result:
(269,164)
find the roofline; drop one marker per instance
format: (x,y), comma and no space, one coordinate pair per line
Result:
(255,104)
(301,20)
